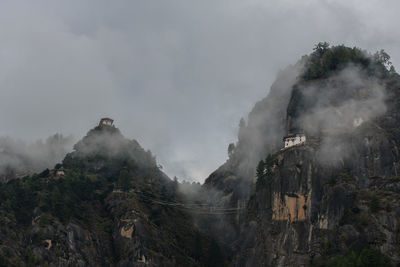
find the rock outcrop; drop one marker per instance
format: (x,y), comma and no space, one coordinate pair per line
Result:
(335,195)
(332,200)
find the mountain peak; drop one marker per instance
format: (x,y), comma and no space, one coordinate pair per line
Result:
(107,141)
(346,101)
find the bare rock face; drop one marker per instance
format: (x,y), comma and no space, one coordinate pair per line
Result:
(308,211)
(332,199)
(335,195)
(338,192)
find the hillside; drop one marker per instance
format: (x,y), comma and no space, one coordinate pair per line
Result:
(331,200)
(106,205)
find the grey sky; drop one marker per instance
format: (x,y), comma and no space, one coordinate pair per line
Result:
(175,75)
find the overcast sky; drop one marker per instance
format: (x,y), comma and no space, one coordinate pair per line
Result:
(175,75)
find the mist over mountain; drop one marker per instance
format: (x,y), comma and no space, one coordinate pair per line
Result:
(311,202)
(165,70)
(18,158)
(107,204)
(330,200)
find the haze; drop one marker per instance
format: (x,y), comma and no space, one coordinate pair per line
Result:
(175,75)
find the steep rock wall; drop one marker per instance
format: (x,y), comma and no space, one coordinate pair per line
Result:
(311,210)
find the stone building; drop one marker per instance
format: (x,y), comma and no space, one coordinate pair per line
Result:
(294,139)
(106,121)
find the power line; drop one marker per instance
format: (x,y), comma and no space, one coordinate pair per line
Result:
(198,208)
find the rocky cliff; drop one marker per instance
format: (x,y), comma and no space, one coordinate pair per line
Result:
(331,201)
(262,134)
(304,211)
(334,199)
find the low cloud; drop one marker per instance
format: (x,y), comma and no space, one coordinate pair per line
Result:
(18,158)
(336,107)
(175,75)
(342,102)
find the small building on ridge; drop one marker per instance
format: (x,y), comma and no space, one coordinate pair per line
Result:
(106,121)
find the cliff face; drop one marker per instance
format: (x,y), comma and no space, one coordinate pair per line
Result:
(232,184)
(307,211)
(338,194)
(262,134)
(333,201)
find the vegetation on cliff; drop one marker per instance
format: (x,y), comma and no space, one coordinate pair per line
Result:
(106,209)
(316,203)
(327,60)
(333,201)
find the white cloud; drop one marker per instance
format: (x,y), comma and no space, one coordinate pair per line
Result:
(176,75)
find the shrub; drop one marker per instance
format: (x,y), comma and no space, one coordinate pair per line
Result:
(374,204)
(367,257)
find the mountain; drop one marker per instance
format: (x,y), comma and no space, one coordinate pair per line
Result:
(333,200)
(313,180)
(107,204)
